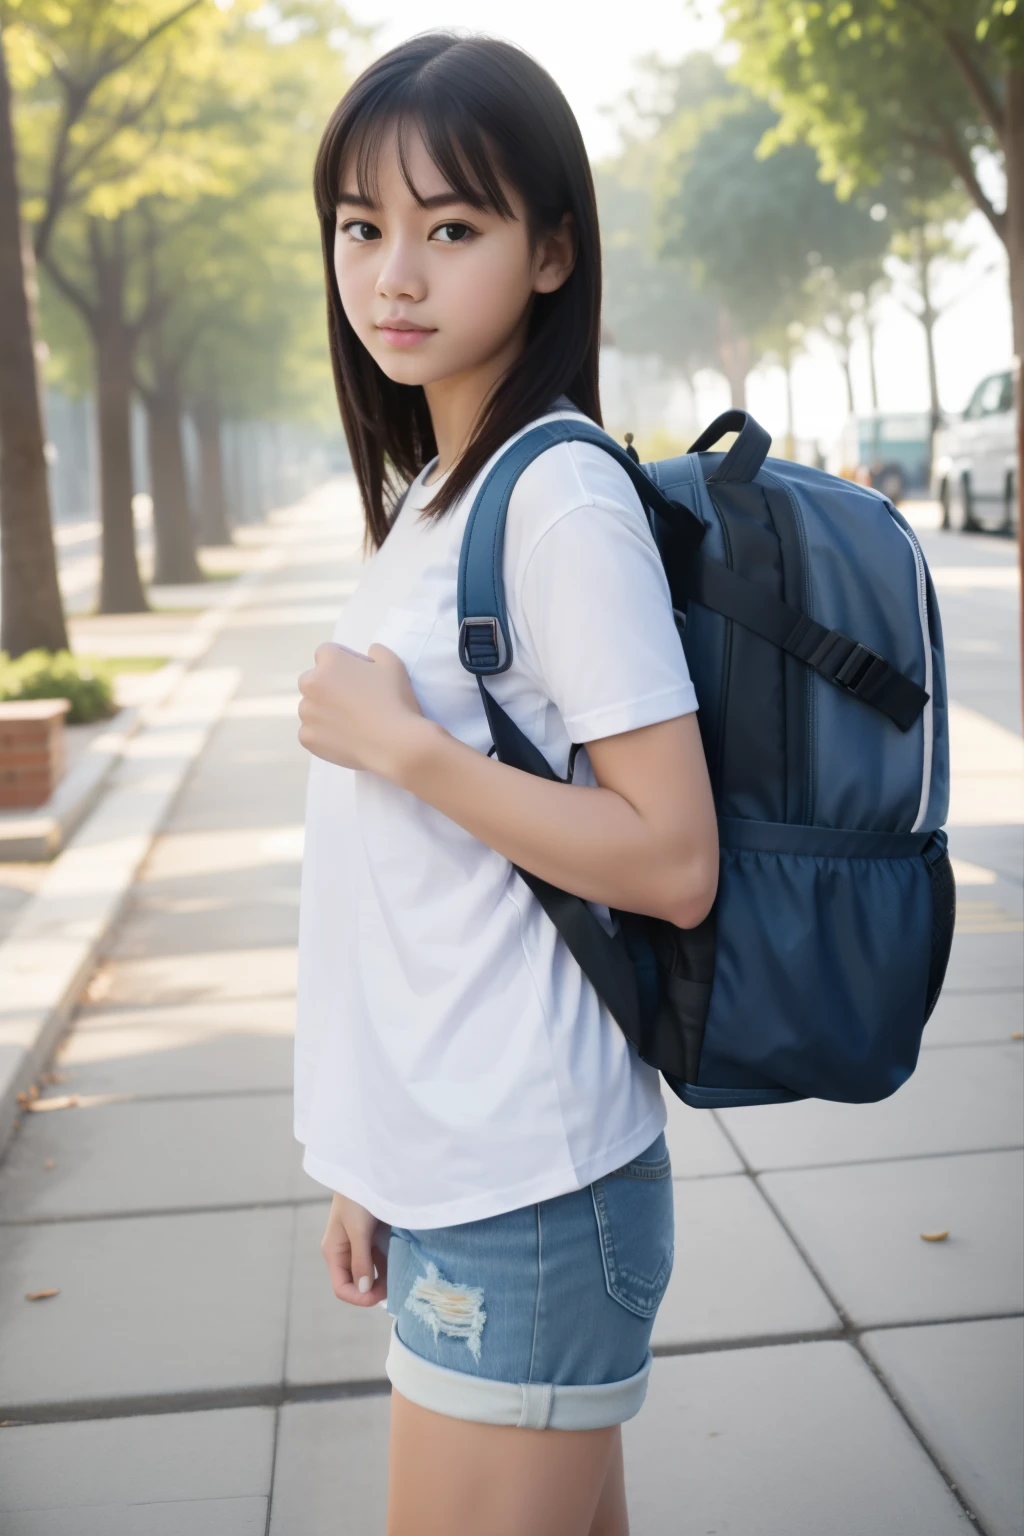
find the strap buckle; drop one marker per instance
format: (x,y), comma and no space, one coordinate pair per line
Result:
(482,645)
(862,671)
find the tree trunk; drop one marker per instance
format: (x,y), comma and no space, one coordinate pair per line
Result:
(734,358)
(213,512)
(172,523)
(120,583)
(1014,145)
(31,612)
(870,331)
(113,346)
(928,317)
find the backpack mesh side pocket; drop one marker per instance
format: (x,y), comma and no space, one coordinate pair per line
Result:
(943,917)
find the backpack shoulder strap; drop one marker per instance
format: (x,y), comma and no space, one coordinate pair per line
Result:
(485,642)
(485,648)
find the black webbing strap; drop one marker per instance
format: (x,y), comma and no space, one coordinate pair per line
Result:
(834,656)
(603,959)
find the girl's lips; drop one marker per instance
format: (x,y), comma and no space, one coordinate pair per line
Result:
(406,337)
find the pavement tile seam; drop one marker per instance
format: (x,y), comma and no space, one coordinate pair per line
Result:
(289,1289)
(958,1045)
(840,1311)
(273,1467)
(112,1100)
(891,1157)
(164,1210)
(847,1332)
(278,1396)
(138,1213)
(919,1437)
(976,991)
(266,1396)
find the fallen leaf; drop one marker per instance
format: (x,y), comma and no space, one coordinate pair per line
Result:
(1018,1034)
(48,1164)
(40,1295)
(935,1237)
(66,1101)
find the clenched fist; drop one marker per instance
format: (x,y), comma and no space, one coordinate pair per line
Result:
(359,711)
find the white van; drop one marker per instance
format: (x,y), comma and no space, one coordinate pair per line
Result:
(976,460)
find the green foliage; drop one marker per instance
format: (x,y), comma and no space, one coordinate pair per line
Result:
(45,675)
(173,140)
(651,304)
(888,93)
(755,230)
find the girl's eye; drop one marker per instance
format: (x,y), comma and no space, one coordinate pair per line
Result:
(452,234)
(360,231)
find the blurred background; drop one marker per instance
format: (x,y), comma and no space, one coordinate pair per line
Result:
(804,211)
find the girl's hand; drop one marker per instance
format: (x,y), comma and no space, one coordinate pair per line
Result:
(358,712)
(351,1246)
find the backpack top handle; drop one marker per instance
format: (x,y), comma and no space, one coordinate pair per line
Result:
(747,453)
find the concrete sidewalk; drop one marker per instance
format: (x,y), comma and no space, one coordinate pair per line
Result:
(824,1371)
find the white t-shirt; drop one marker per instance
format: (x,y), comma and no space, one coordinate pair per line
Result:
(452,1062)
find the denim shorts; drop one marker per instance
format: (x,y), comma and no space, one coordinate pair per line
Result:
(539,1318)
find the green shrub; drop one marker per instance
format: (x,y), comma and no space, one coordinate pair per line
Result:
(48,675)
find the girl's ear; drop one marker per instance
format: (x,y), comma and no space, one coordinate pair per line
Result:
(555,256)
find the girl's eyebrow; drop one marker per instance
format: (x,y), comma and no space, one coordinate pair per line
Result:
(439,200)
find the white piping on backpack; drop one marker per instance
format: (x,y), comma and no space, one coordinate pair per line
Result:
(927,719)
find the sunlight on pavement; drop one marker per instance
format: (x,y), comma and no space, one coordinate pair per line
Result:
(987,771)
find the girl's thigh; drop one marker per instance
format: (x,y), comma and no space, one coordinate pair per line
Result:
(454,1477)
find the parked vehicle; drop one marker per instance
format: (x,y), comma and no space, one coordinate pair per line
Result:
(976,460)
(889,451)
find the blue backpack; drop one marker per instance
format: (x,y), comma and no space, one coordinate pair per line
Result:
(812,635)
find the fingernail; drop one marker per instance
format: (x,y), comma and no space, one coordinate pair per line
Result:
(365,1283)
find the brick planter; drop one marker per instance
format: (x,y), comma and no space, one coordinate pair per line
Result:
(31,751)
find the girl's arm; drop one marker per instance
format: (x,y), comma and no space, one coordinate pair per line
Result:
(644,840)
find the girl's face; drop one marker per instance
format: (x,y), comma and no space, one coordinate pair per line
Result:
(440,290)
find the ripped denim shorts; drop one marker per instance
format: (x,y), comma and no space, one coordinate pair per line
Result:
(539,1318)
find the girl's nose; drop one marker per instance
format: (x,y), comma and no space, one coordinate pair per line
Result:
(400,276)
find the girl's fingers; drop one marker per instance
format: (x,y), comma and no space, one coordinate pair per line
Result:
(362,1262)
(337,1260)
(351,1244)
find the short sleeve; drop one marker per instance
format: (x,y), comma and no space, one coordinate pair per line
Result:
(595,614)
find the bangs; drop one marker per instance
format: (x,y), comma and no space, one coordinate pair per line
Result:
(456,142)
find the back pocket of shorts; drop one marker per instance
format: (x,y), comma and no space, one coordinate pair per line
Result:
(634,1214)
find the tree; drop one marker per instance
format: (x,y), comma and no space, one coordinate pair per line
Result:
(754,230)
(650,305)
(146,115)
(31,611)
(928,88)
(95,128)
(929,239)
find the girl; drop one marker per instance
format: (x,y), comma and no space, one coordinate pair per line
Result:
(494,1144)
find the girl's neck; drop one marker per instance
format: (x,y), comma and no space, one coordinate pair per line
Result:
(457,403)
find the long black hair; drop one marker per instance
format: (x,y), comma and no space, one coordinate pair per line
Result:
(488,115)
